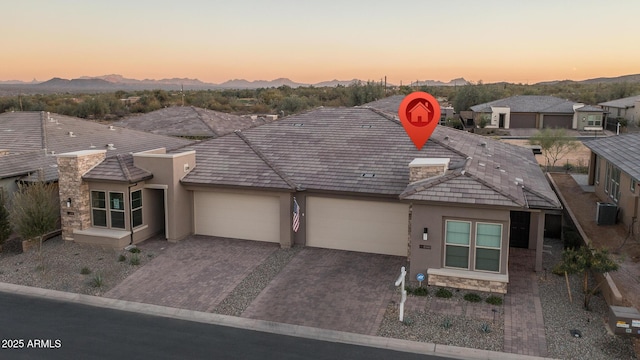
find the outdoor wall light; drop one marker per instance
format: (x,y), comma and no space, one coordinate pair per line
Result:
(425,234)
(69,202)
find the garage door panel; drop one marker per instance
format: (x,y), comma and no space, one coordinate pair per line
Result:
(366,226)
(557,121)
(519,121)
(239,216)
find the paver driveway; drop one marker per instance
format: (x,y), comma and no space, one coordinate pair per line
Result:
(329,289)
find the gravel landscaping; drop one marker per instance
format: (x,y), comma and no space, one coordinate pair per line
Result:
(449,321)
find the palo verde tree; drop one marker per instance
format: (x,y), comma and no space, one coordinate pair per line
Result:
(34,212)
(554,144)
(585,261)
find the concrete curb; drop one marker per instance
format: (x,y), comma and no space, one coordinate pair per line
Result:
(266,326)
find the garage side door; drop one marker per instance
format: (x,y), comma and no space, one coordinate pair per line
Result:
(239,216)
(519,121)
(366,226)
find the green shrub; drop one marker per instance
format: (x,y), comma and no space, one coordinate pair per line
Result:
(420,291)
(472,297)
(134,250)
(485,328)
(407,321)
(447,323)
(85,271)
(122,258)
(494,300)
(135,259)
(97,281)
(444,293)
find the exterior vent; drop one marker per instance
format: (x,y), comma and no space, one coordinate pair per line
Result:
(71,134)
(187,167)
(366,126)
(110,147)
(368,175)
(298,124)
(111,127)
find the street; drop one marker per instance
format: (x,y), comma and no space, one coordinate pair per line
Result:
(36,328)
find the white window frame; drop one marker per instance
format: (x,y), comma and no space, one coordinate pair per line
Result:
(136,209)
(122,211)
(476,246)
(612,185)
(468,246)
(633,184)
(105,209)
(597,170)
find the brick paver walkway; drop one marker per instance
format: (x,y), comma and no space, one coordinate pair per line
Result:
(523,320)
(330,289)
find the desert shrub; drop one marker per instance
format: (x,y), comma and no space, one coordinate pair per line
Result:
(494,300)
(472,297)
(444,293)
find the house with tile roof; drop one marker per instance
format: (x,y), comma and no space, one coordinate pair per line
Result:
(190,122)
(626,108)
(453,208)
(31,142)
(536,111)
(614,171)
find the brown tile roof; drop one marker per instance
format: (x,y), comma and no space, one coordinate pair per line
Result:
(362,150)
(29,134)
(118,168)
(189,121)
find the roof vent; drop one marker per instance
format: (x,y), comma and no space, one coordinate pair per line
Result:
(111,127)
(92,146)
(482,164)
(483,144)
(53,152)
(110,147)
(366,126)
(298,124)
(446,137)
(71,134)
(368,175)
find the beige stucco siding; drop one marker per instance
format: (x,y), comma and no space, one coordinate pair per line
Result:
(367,226)
(240,216)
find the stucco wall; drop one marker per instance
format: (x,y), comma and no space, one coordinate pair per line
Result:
(430,253)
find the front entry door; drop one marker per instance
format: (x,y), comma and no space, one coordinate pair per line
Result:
(519,234)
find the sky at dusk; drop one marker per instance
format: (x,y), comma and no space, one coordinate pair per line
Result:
(313,41)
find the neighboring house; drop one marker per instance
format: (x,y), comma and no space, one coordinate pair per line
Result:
(535,111)
(626,108)
(453,209)
(614,169)
(191,122)
(30,142)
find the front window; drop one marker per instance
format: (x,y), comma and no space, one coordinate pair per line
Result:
(594,120)
(488,243)
(136,207)
(612,182)
(479,250)
(633,185)
(457,239)
(116,204)
(99,208)
(597,170)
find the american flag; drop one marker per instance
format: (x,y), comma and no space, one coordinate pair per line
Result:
(296,215)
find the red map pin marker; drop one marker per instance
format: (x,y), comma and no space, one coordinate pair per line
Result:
(419,114)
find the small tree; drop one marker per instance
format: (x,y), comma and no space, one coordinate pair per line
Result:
(5,224)
(34,212)
(585,260)
(554,144)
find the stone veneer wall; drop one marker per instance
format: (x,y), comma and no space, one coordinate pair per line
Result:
(71,167)
(417,173)
(468,284)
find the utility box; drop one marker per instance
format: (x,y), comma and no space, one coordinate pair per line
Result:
(624,320)
(606,213)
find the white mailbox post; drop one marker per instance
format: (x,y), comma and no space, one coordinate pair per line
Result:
(400,282)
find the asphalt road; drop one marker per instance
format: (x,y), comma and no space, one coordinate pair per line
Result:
(37,328)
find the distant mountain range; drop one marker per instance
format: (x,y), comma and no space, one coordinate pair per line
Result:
(116,82)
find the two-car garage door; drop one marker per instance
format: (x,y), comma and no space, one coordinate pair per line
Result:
(239,216)
(366,226)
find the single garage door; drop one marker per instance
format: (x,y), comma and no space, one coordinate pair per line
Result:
(239,216)
(557,121)
(524,120)
(366,226)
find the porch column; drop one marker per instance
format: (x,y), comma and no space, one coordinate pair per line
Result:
(539,241)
